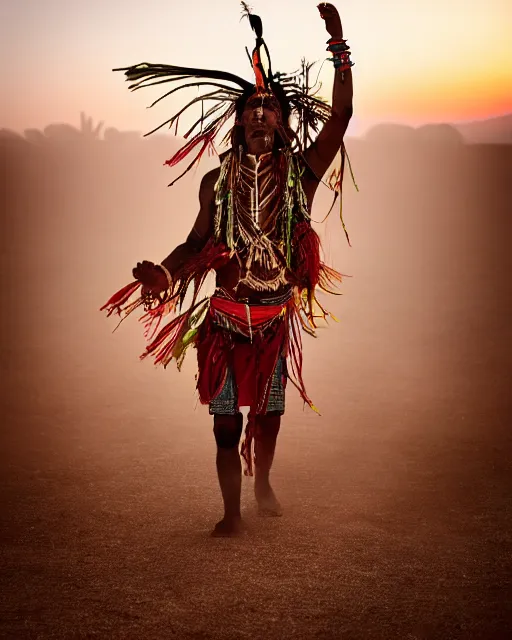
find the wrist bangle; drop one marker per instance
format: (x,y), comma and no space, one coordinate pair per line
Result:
(167,275)
(340,54)
(342,63)
(338,47)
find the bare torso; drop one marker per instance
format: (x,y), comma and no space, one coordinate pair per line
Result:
(229,275)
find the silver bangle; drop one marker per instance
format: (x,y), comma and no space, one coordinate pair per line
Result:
(167,275)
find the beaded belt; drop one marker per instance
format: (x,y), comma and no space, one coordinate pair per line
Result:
(273,300)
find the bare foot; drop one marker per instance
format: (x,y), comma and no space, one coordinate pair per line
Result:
(268,504)
(229,527)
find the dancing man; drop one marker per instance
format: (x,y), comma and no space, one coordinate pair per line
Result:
(253,229)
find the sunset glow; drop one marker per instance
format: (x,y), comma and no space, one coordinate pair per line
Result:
(415,62)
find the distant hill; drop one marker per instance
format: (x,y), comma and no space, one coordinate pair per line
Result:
(493,130)
(496,130)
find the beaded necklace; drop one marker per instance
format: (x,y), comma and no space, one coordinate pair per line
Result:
(244,193)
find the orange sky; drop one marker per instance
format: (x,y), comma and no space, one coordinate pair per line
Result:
(416,62)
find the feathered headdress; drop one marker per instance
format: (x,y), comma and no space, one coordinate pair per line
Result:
(223,91)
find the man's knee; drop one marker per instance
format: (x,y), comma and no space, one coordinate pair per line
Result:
(227,430)
(268,425)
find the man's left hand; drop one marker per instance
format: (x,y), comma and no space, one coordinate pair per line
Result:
(331,17)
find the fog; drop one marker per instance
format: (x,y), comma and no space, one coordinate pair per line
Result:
(394,493)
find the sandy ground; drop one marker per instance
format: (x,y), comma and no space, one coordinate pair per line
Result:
(397,521)
(397,500)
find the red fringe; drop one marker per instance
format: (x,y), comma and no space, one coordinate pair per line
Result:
(306,244)
(184,151)
(212,256)
(206,139)
(163,345)
(153,318)
(195,270)
(116,302)
(308,267)
(295,353)
(330,279)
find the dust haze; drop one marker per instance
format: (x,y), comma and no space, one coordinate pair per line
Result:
(397,499)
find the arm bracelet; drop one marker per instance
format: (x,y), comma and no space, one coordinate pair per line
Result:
(167,275)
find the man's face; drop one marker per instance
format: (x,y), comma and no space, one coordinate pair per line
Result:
(260,120)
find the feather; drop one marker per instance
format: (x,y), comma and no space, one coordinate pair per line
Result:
(254,20)
(145,69)
(256,25)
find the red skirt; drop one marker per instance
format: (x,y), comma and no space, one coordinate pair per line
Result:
(246,339)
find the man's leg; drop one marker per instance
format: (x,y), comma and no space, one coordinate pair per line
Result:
(267,430)
(227,430)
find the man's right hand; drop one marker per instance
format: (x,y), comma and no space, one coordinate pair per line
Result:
(151,276)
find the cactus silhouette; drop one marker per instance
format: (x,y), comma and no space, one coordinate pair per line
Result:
(86,126)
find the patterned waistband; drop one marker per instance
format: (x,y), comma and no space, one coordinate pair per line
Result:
(256,301)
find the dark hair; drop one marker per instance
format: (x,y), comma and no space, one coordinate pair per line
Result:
(238,137)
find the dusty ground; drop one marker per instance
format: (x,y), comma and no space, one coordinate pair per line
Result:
(397,521)
(397,500)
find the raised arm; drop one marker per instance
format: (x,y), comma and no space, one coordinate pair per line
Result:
(322,152)
(152,276)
